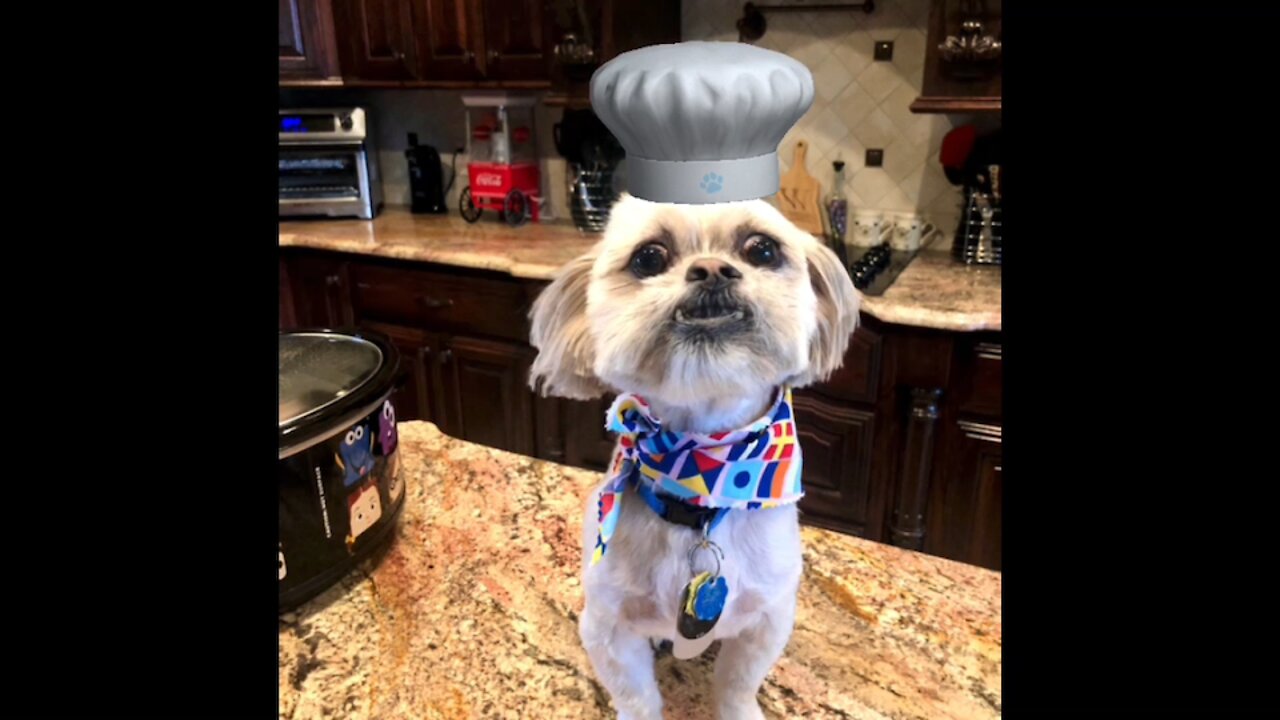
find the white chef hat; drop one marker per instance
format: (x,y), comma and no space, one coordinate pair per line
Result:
(701,121)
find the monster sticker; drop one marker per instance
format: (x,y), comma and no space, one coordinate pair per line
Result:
(387,435)
(354,456)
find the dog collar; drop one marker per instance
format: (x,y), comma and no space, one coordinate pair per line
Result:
(694,478)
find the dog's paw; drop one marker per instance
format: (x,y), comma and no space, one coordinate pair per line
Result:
(711,183)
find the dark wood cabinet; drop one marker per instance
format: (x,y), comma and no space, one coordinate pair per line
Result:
(321,292)
(838,444)
(444,42)
(377,40)
(970,489)
(456,43)
(956,85)
(517,38)
(901,445)
(486,392)
(420,396)
(586,442)
(448,40)
(308,50)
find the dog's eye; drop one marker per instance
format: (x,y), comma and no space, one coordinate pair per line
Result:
(649,260)
(762,251)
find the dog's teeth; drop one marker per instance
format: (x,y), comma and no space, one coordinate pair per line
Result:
(739,315)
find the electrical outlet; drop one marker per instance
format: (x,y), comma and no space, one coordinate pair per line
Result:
(875,158)
(884,50)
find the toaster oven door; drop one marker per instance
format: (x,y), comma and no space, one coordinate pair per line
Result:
(324,180)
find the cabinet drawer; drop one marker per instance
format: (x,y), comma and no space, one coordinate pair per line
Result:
(441,301)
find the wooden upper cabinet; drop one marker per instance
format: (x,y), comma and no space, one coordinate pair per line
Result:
(377,40)
(956,86)
(308,50)
(447,34)
(517,37)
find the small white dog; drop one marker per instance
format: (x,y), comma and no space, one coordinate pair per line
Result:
(704,311)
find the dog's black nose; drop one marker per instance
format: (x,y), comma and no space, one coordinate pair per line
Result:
(711,272)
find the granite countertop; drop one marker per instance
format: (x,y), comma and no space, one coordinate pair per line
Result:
(934,291)
(472,613)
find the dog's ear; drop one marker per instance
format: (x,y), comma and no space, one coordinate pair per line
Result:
(838,303)
(562,337)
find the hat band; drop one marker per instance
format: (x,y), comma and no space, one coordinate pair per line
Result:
(700,182)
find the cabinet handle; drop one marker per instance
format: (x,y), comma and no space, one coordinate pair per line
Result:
(404,64)
(493,56)
(468,57)
(332,280)
(435,303)
(444,357)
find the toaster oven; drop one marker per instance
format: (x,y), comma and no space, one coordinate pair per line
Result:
(328,164)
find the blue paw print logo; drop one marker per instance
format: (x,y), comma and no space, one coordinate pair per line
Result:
(711,183)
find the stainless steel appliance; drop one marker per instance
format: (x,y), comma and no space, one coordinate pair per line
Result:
(328,164)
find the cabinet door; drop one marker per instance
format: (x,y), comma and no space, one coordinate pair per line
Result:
(517,37)
(586,443)
(420,397)
(964,513)
(447,34)
(837,441)
(377,39)
(487,399)
(307,47)
(321,292)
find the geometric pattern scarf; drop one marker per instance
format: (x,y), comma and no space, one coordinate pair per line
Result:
(754,467)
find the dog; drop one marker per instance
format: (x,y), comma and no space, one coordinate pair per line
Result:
(706,312)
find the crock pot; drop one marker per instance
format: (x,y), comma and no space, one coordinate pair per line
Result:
(340,488)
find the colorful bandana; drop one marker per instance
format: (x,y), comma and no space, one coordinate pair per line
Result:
(754,467)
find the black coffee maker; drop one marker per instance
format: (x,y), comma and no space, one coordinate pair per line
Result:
(426,178)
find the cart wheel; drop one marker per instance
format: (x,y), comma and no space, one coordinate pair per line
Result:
(516,208)
(470,212)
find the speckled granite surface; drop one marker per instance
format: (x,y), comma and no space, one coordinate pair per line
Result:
(534,251)
(934,291)
(472,613)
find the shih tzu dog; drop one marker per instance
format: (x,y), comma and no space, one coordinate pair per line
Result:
(702,317)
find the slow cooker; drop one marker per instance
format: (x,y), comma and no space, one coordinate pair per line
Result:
(340,489)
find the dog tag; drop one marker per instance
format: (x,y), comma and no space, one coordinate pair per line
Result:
(701,603)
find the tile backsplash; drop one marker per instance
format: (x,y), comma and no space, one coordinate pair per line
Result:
(860,104)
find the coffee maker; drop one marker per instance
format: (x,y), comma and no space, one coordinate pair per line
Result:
(426,178)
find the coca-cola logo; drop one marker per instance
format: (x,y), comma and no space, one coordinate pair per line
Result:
(489,180)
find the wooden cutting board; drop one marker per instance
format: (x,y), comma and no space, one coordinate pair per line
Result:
(800,195)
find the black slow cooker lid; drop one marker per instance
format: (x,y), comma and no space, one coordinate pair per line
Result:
(327,375)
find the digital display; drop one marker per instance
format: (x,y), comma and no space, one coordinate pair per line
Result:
(306,123)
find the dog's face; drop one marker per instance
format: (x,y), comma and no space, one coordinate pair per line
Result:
(683,302)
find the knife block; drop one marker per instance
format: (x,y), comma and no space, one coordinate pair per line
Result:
(978,238)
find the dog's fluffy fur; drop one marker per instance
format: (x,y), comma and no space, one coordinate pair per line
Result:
(599,328)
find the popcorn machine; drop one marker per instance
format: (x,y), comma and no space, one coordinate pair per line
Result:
(502,174)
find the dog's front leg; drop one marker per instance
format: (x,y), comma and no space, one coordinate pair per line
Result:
(745,660)
(623,662)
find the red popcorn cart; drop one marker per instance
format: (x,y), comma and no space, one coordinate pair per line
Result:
(503,172)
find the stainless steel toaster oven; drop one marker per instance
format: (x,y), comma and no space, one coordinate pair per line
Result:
(328,164)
